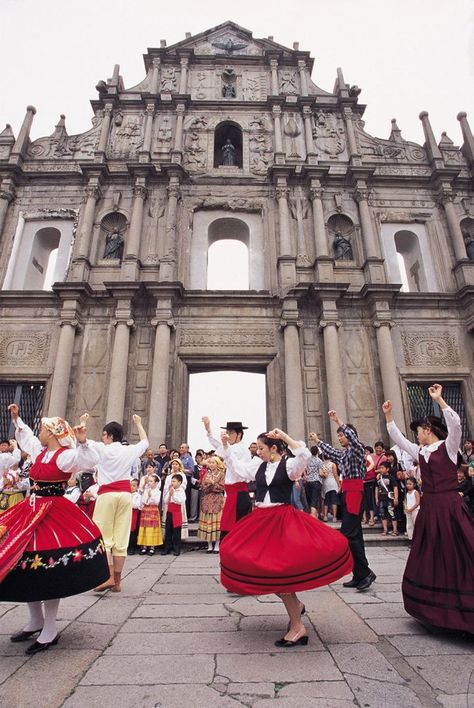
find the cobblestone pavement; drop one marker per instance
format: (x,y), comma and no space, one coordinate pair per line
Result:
(174,637)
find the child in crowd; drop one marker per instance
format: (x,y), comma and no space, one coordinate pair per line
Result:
(149,534)
(412,504)
(175,501)
(150,470)
(89,491)
(73,491)
(134,526)
(386,497)
(12,489)
(331,486)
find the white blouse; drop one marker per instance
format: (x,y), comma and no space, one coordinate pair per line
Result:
(453,440)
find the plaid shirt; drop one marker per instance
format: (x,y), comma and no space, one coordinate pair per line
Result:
(350,460)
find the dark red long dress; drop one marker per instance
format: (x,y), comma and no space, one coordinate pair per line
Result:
(438,584)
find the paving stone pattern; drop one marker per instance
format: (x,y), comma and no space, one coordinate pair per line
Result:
(174,637)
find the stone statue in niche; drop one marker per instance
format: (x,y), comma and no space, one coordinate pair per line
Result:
(342,248)
(228,91)
(228,83)
(228,154)
(113,246)
(168,81)
(469,243)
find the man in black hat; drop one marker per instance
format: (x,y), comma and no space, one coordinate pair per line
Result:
(238,502)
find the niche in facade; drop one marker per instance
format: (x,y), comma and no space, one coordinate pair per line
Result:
(341,231)
(228,255)
(410,261)
(111,242)
(228,145)
(467,228)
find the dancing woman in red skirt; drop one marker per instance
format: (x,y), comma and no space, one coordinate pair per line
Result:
(278,549)
(49,548)
(438,583)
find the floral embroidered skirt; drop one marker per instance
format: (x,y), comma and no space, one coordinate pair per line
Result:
(149,533)
(49,548)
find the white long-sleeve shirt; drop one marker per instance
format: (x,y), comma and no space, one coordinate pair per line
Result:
(67,460)
(179,496)
(151,497)
(246,471)
(8,459)
(240,454)
(113,462)
(453,440)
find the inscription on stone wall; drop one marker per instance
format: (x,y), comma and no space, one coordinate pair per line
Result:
(226,338)
(430,349)
(24,349)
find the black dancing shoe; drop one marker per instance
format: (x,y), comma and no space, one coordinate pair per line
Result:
(351,583)
(36,647)
(366,582)
(289,643)
(23,635)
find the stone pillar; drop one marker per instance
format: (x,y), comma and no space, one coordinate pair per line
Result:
(324,267)
(303,77)
(178,136)
(446,198)
(118,371)
(277,124)
(361,195)
(432,149)
(388,366)
(155,75)
(84,236)
(308,130)
(159,382)
(351,138)
(295,418)
(468,145)
(21,143)
(281,193)
(104,128)
(62,369)
(274,73)
(7,194)
(168,262)
(183,80)
(150,112)
(132,246)
(334,380)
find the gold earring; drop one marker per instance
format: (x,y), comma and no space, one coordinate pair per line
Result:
(272,457)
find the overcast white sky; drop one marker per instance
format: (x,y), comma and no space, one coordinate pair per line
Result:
(406,55)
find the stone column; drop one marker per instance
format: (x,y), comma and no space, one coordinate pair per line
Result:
(118,371)
(277,124)
(303,77)
(388,366)
(132,247)
(324,264)
(334,380)
(351,138)
(150,112)
(308,130)
(83,239)
(168,262)
(62,369)
(104,128)
(21,143)
(7,194)
(274,74)
(155,75)
(432,149)
(468,145)
(178,136)
(446,198)
(159,382)
(361,195)
(281,193)
(295,418)
(183,80)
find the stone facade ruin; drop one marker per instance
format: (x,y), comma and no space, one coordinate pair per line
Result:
(361,249)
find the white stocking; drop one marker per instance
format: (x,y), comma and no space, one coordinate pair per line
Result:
(36,620)
(209,545)
(49,630)
(216,546)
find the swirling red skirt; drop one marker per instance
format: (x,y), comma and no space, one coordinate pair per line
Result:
(279,549)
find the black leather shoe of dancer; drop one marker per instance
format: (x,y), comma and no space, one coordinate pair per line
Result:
(23,636)
(288,643)
(351,583)
(36,647)
(366,582)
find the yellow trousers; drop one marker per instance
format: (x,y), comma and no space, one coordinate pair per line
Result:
(113,516)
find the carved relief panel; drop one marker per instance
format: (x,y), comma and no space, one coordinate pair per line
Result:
(293,131)
(260,143)
(440,348)
(126,135)
(360,384)
(329,136)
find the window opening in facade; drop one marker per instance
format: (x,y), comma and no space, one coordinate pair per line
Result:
(421,403)
(29,398)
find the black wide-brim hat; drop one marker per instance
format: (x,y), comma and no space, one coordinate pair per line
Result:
(234,425)
(437,425)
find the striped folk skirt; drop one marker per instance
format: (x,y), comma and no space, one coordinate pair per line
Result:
(149,533)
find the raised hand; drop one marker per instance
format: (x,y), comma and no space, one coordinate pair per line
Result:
(435,391)
(314,437)
(136,419)
(387,407)
(13,408)
(225,438)
(277,434)
(83,419)
(207,423)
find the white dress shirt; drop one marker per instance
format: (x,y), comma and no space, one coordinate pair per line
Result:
(240,454)
(453,440)
(113,462)
(68,459)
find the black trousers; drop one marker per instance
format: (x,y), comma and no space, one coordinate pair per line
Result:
(351,528)
(172,535)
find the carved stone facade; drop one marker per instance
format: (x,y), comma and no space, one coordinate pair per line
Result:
(361,272)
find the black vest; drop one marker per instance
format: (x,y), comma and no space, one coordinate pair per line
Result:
(280,487)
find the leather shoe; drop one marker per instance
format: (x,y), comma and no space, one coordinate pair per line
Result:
(23,636)
(351,583)
(367,582)
(36,647)
(288,643)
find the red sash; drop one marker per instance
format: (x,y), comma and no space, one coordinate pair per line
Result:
(134,523)
(354,490)
(122,486)
(229,512)
(176,513)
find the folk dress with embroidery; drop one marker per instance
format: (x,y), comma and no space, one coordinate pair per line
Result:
(49,548)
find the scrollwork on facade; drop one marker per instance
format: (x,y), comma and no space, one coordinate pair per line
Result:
(18,350)
(169,81)
(289,82)
(440,349)
(328,134)
(194,152)
(140,192)
(282,193)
